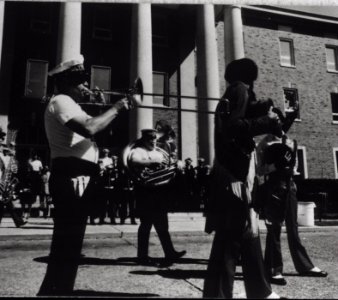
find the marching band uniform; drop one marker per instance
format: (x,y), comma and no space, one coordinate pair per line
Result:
(74,171)
(151,205)
(278,160)
(230,209)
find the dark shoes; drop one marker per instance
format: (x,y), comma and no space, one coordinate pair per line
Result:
(20,224)
(314,274)
(170,259)
(278,280)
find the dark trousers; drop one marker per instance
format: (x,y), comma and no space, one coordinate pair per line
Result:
(127,205)
(18,221)
(227,247)
(273,252)
(160,221)
(70,219)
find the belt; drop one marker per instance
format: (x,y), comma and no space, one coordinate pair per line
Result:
(73,167)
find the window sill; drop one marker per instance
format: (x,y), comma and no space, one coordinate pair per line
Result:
(288,66)
(332,71)
(334,122)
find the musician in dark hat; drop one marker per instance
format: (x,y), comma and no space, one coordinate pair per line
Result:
(151,206)
(231,212)
(74,169)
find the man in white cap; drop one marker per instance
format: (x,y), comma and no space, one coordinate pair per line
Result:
(70,132)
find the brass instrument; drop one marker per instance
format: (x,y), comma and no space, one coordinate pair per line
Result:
(150,177)
(136,91)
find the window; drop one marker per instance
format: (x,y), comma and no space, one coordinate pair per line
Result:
(334,104)
(40,26)
(301,162)
(335,159)
(286,53)
(284,28)
(36,79)
(161,86)
(291,101)
(101,78)
(160,30)
(331,58)
(102,29)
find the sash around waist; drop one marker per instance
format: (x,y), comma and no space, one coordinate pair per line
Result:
(73,167)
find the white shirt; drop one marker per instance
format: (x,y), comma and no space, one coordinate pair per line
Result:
(106,161)
(36,165)
(64,142)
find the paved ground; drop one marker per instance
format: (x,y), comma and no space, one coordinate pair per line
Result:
(109,268)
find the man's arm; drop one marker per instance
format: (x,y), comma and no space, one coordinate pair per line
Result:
(88,127)
(140,160)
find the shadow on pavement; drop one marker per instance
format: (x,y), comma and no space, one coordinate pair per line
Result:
(35,227)
(85,293)
(93,261)
(180,274)
(127,261)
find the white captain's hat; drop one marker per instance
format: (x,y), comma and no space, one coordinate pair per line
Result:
(76,61)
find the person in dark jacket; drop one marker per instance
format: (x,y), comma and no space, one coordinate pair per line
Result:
(230,213)
(278,160)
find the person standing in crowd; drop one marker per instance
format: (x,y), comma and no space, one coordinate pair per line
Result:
(104,185)
(239,118)
(166,138)
(189,184)
(107,161)
(8,170)
(36,168)
(151,203)
(27,198)
(45,194)
(126,195)
(202,176)
(112,190)
(278,158)
(74,170)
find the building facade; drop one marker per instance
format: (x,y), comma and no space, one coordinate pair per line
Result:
(179,50)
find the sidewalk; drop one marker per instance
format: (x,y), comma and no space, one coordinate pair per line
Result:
(180,223)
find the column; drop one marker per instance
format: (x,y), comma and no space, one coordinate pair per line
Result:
(141,65)
(233,34)
(69,39)
(207,78)
(4,105)
(189,119)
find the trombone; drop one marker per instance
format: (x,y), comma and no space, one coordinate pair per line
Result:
(137,89)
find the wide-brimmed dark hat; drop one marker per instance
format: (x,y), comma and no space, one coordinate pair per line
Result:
(244,69)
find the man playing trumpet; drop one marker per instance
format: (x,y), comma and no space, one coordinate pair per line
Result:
(74,155)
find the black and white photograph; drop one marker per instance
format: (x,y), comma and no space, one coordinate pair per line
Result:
(169,149)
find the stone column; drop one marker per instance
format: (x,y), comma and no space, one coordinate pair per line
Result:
(189,119)
(69,39)
(141,65)
(233,33)
(207,78)
(4,105)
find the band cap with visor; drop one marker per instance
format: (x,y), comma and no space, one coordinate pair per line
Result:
(149,133)
(71,69)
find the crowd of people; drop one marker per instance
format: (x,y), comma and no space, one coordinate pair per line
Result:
(116,190)
(249,177)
